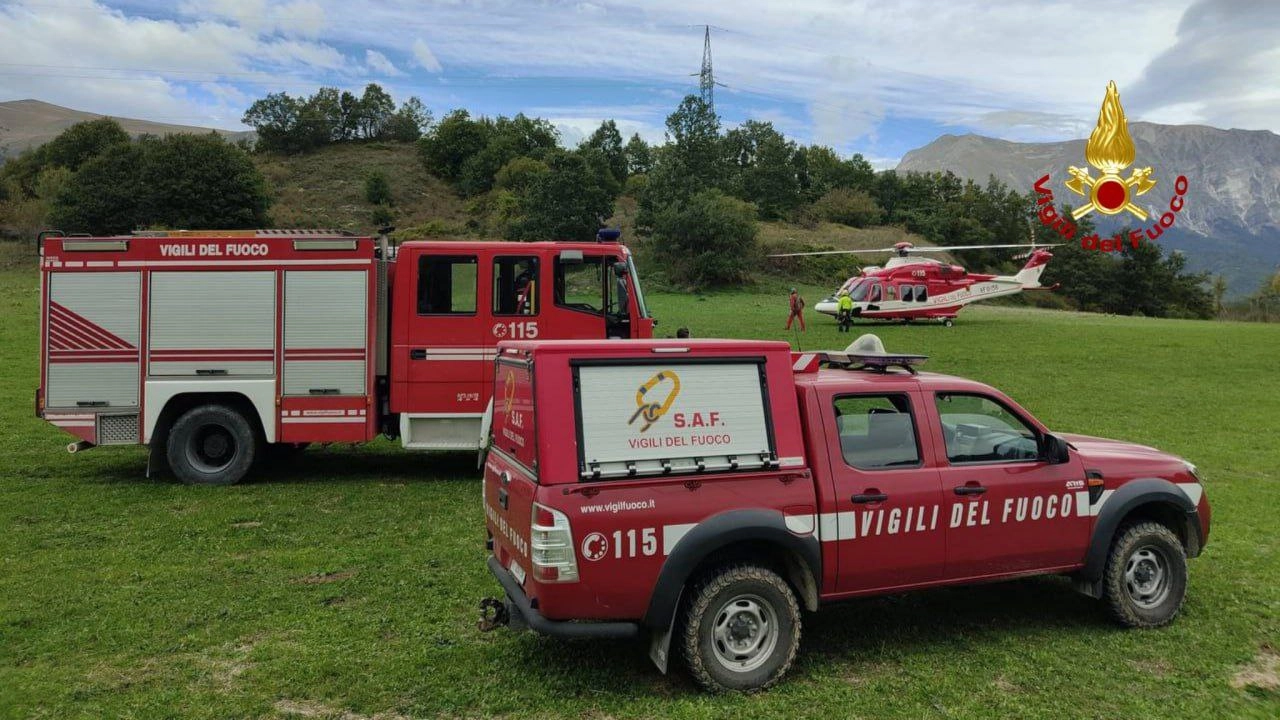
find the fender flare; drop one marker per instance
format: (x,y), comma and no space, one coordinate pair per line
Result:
(1126,498)
(718,532)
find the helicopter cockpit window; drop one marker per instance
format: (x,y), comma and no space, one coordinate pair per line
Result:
(922,293)
(906,293)
(858,292)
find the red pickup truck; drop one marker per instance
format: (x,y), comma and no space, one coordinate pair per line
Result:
(705,492)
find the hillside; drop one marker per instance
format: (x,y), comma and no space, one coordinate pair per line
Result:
(28,123)
(325,188)
(1231,223)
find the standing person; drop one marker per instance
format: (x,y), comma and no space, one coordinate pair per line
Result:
(796,304)
(845,307)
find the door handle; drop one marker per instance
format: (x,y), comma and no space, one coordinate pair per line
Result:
(503,499)
(969,490)
(418,354)
(861,498)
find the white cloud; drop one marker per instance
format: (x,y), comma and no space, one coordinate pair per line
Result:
(379,63)
(424,57)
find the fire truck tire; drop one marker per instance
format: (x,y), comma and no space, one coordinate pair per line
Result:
(1146,575)
(212,445)
(741,629)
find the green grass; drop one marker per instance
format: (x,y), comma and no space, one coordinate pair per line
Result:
(348,583)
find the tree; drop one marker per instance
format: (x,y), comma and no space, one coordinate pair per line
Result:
(451,142)
(178,181)
(708,239)
(565,203)
(275,119)
(637,155)
(1219,292)
(375,110)
(409,122)
(763,172)
(82,142)
(608,141)
(520,174)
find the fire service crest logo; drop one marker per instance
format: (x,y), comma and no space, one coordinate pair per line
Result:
(1110,151)
(650,409)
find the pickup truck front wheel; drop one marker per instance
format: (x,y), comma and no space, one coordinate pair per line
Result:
(741,629)
(1146,575)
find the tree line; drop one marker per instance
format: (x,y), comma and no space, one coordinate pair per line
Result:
(698,195)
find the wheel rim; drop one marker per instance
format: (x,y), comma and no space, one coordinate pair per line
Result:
(212,448)
(745,633)
(1147,576)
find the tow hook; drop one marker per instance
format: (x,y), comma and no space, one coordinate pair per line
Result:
(493,614)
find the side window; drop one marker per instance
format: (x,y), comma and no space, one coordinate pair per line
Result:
(877,431)
(580,285)
(447,284)
(922,293)
(906,293)
(875,293)
(891,292)
(977,429)
(515,285)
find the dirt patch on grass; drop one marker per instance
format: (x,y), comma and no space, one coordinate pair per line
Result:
(1261,674)
(322,578)
(1005,685)
(246,524)
(308,709)
(1154,668)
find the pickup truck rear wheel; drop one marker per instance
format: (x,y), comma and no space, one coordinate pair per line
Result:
(1146,575)
(740,630)
(211,445)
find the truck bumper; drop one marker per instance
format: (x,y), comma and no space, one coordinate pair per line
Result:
(518,602)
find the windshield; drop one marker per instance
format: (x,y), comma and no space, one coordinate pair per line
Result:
(859,290)
(635,283)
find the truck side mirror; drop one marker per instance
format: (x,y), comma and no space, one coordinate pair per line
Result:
(1054,449)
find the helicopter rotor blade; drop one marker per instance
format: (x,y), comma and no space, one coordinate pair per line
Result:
(832,252)
(949,248)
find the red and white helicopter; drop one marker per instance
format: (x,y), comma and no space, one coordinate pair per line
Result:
(914,288)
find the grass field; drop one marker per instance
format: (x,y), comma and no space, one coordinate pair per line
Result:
(346,586)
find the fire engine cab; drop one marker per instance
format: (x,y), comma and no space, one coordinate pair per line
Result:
(704,492)
(210,347)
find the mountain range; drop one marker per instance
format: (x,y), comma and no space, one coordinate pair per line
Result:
(1229,225)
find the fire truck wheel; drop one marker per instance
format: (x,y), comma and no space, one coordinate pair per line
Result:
(1146,575)
(212,445)
(740,630)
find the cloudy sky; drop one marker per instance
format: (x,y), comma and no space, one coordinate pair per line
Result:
(878,78)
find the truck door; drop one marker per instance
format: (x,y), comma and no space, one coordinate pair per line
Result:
(515,304)
(92,336)
(444,350)
(1008,510)
(890,528)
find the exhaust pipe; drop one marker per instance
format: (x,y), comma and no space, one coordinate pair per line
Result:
(78,445)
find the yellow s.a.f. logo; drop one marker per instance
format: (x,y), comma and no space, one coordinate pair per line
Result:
(1110,149)
(649,408)
(508,392)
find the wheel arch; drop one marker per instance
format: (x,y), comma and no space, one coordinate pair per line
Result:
(759,537)
(1144,499)
(180,403)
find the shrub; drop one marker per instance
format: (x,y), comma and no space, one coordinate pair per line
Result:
(709,239)
(376,188)
(848,207)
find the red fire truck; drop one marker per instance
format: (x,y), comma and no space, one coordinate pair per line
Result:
(702,493)
(210,347)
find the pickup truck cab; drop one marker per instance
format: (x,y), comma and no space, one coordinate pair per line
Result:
(705,492)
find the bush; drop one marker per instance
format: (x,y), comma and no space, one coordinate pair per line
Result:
(709,239)
(382,215)
(848,207)
(376,188)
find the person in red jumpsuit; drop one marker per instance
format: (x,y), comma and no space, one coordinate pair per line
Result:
(797,309)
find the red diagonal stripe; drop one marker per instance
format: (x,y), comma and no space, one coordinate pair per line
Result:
(78,324)
(59,341)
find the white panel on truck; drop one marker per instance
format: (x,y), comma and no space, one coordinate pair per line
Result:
(213,323)
(653,418)
(93,329)
(326,328)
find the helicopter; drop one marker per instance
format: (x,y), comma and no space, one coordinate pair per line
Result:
(911,288)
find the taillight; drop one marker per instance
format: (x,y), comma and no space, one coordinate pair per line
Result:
(551,542)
